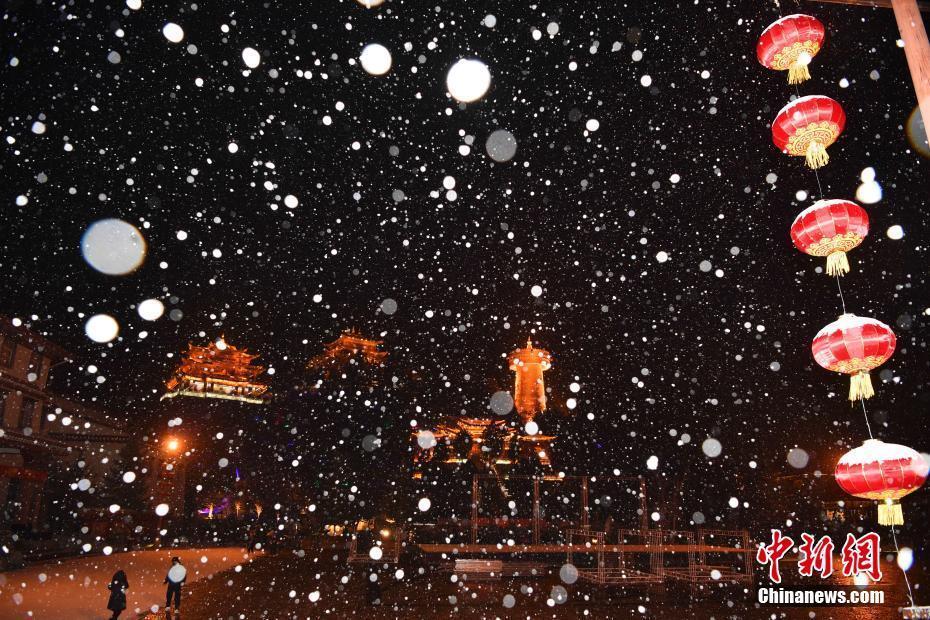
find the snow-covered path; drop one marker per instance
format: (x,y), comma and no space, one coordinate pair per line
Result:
(76,588)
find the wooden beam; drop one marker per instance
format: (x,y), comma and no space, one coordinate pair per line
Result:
(880,4)
(492,549)
(917,50)
(916,46)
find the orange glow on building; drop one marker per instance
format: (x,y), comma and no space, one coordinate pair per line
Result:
(350,344)
(219,370)
(528,365)
(447,430)
(529,394)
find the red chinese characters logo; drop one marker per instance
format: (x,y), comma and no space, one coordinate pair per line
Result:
(815,556)
(859,556)
(770,554)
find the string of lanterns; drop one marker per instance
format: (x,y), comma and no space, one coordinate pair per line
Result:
(852,345)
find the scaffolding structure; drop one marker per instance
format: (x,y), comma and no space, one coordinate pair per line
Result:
(646,556)
(714,544)
(613,564)
(584,516)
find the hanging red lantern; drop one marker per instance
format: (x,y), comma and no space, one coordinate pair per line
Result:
(790,44)
(854,345)
(807,126)
(830,228)
(882,471)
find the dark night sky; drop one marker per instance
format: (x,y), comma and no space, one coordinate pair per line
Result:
(588,212)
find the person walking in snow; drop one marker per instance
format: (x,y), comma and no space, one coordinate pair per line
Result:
(176,576)
(117,586)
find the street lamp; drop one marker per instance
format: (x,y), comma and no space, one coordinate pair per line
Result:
(169,482)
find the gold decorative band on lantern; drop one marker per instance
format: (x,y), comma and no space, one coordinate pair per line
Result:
(812,142)
(824,132)
(885,496)
(890,513)
(838,243)
(789,55)
(857,364)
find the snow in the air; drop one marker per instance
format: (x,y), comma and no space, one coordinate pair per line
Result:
(101,328)
(468,80)
(375,59)
(173,32)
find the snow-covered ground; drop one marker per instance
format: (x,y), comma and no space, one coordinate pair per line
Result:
(76,588)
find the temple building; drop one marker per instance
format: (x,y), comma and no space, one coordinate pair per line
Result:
(348,347)
(494,441)
(529,392)
(351,354)
(218,370)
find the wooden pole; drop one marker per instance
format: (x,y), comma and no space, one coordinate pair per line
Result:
(584,504)
(917,50)
(474,509)
(535,511)
(916,47)
(875,4)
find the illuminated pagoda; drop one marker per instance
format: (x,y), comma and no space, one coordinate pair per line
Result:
(219,370)
(350,348)
(529,392)
(511,445)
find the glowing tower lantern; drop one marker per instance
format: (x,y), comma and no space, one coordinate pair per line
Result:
(529,393)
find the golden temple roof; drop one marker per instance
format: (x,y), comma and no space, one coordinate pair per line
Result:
(218,370)
(349,344)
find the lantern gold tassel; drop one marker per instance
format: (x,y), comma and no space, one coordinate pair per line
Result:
(860,386)
(837,264)
(816,155)
(797,73)
(890,513)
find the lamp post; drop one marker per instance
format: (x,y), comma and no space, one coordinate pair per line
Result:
(169,481)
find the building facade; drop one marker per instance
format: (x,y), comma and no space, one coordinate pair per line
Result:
(43,435)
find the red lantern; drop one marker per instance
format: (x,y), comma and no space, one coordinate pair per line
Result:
(791,43)
(807,126)
(882,471)
(854,345)
(830,228)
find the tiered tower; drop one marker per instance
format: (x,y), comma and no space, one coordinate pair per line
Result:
(350,344)
(529,393)
(219,370)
